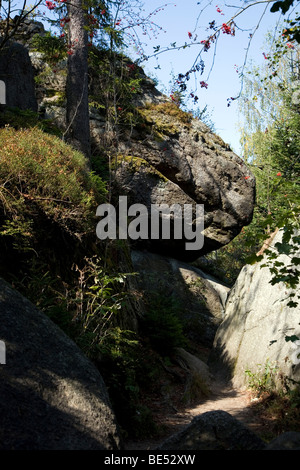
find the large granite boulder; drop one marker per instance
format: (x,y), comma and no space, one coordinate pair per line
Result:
(52,396)
(172,158)
(257,323)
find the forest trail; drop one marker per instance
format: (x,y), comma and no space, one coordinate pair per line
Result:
(222,397)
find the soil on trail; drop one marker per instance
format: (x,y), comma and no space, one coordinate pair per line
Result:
(222,397)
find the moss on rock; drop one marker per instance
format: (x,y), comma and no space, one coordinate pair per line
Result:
(136,164)
(165,118)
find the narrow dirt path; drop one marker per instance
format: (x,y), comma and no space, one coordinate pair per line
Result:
(222,397)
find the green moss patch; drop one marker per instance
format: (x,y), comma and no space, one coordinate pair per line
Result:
(41,175)
(136,164)
(164,118)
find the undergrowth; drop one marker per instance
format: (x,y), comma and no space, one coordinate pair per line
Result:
(276,399)
(25,119)
(162,324)
(42,177)
(49,253)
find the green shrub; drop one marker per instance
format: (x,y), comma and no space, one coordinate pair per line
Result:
(162,324)
(48,201)
(39,173)
(277,400)
(25,119)
(52,47)
(265,380)
(121,365)
(97,301)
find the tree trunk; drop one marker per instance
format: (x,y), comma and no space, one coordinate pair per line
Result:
(77,113)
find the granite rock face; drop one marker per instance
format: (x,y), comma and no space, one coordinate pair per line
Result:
(173,158)
(256,322)
(52,396)
(200,297)
(18,75)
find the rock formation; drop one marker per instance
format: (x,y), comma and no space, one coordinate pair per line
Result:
(165,157)
(218,430)
(214,430)
(256,322)
(52,397)
(176,159)
(201,298)
(286,441)
(17,73)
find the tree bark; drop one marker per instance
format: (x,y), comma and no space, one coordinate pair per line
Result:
(77,112)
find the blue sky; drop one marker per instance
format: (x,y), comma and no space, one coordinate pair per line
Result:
(178,19)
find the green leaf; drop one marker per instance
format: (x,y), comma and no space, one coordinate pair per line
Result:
(275,7)
(284,5)
(292,338)
(254,258)
(283,248)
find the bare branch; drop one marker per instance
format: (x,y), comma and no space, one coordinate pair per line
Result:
(20,19)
